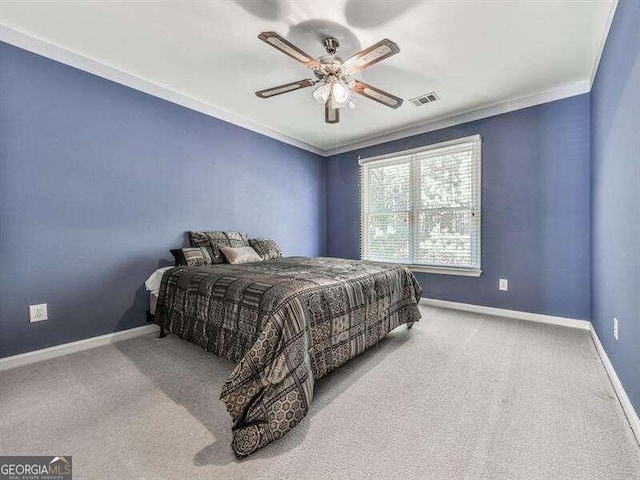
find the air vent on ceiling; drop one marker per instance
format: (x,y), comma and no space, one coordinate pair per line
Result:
(424,99)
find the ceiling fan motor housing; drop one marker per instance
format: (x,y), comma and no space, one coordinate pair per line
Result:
(331,45)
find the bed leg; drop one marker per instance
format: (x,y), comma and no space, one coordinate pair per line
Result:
(162,332)
(150,319)
(409,326)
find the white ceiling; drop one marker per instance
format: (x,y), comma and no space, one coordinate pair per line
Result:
(472,53)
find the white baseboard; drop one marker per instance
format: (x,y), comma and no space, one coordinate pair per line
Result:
(501,312)
(627,407)
(66,348)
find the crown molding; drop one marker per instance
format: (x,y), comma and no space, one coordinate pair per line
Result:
(73,59)
(603,42)
(518,103)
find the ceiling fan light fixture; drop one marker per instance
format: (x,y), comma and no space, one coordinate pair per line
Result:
(321,93)
(340,93)
(333,75)
(336,89)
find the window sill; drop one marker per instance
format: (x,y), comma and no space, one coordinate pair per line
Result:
(462,272)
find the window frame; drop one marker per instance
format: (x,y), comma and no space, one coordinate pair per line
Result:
(394,157)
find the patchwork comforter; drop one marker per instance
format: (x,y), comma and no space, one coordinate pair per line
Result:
(285,322)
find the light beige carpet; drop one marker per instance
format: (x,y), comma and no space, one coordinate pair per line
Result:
(460,396)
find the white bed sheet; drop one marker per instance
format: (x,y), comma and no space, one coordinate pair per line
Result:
(152,284)
(153,301)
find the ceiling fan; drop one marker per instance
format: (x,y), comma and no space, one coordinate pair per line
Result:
(334,75)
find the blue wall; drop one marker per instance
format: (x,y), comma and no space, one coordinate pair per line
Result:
(99,181)
(535,209)
(615,109)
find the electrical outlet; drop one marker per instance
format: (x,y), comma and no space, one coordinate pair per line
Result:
(503,284)
(615,328)
(38,313)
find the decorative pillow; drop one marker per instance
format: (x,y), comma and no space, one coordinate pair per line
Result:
(192,256)
(239,255)
(216,240)
(266,248)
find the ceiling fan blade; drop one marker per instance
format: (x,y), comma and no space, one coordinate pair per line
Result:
(276,41)
(331,115)
(287,87)
(376,94)
(369,56)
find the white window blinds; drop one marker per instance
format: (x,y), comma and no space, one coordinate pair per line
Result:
(422,207)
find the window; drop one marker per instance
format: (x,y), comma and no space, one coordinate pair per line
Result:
(421,207)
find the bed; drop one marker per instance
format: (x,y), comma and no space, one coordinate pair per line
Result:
(152,284)
(285,322)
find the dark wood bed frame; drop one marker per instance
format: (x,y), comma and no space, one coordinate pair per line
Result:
(150,319)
